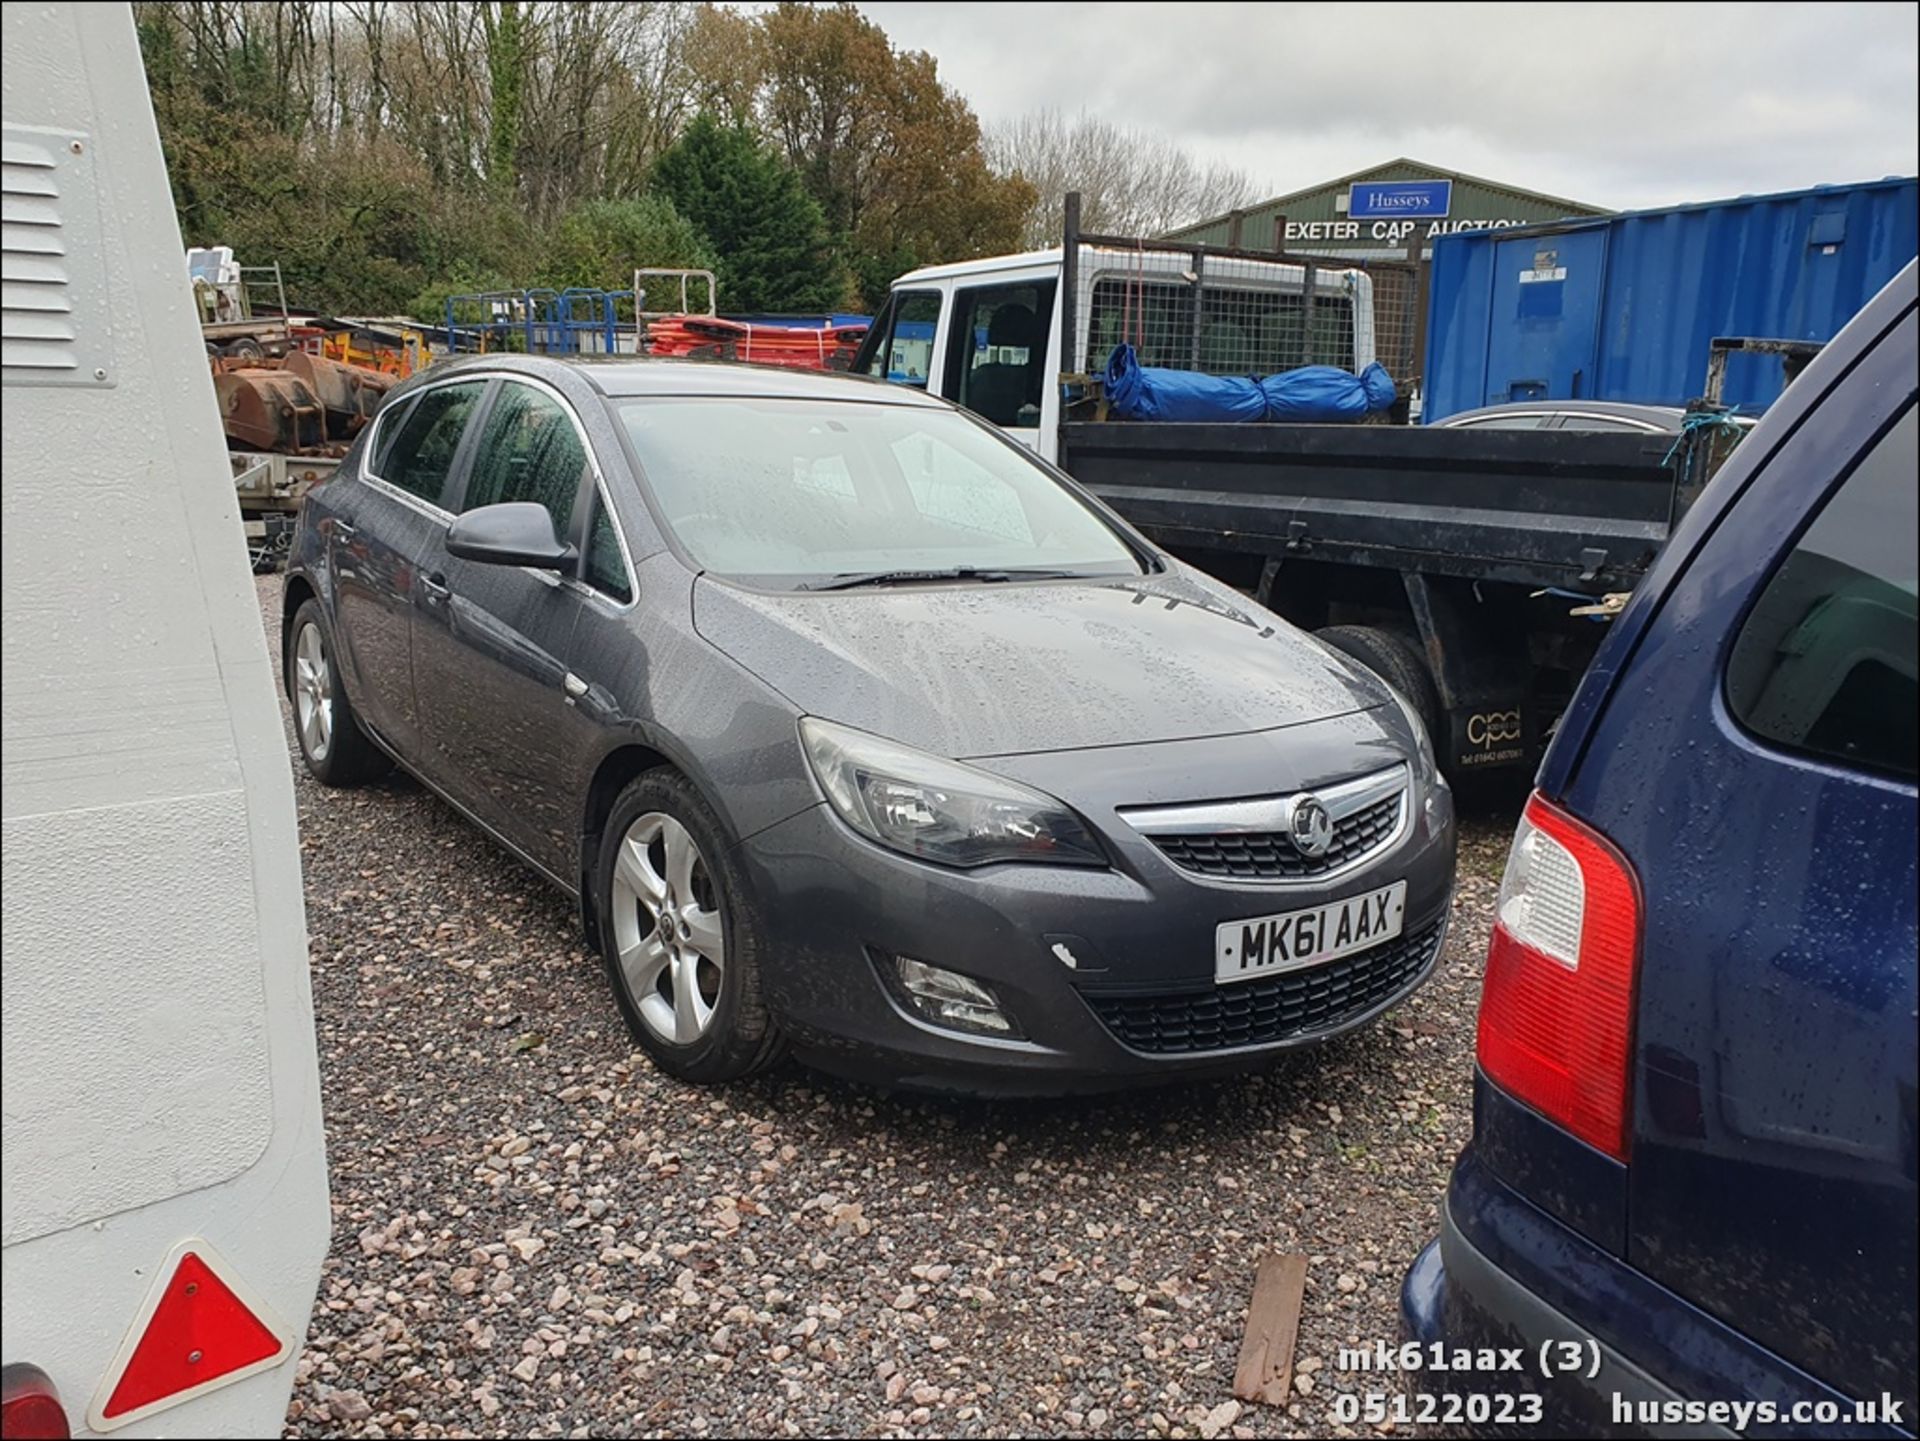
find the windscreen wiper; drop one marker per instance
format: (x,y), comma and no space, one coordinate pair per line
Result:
(852,580)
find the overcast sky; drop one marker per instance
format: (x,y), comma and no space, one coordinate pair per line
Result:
(1616,105)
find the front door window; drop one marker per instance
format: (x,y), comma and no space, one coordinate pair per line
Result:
(997,351)
(529,450)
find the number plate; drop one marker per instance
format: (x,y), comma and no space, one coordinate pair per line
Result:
(1265,945)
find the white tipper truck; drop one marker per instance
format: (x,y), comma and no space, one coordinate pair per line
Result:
(163,1195)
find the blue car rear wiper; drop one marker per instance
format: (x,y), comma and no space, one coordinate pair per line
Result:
(852,580)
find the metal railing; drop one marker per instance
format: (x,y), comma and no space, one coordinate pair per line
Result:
(696,290)
(534,322)
(258,295)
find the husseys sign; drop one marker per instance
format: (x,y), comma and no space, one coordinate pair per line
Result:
(1392,212)
(1399,199)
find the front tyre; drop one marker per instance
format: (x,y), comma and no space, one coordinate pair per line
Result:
(680,934)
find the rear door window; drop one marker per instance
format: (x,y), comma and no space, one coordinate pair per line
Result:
(529,450)
(1825,663)
(423,452)
(391,425)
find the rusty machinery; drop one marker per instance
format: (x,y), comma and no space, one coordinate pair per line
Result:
(300,404)
(288,421)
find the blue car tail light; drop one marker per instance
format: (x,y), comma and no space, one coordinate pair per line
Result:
(1556,1008)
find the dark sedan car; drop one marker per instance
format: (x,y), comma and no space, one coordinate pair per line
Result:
(857,729)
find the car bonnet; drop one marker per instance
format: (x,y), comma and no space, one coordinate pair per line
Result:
(1023,667)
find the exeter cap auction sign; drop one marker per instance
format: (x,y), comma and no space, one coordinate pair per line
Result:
(1399,199)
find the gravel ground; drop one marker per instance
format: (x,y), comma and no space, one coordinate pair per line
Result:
(536,1234)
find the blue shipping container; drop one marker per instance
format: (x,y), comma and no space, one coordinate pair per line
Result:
(1623,307)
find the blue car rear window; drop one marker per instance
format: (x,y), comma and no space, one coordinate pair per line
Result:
(1825,663)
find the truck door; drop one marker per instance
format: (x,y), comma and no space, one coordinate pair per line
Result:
(996,353)
(1545,334)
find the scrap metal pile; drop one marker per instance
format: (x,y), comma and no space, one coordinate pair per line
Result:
(298,404)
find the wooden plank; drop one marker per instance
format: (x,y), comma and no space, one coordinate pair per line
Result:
(1265,1371)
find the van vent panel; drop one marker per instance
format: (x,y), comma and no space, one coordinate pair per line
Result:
(53,296)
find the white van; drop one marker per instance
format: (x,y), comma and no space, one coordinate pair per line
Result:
(163,1195)
(987,333)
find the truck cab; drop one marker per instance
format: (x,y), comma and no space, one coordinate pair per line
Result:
(987,334)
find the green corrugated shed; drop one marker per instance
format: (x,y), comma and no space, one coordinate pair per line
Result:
(1477,204)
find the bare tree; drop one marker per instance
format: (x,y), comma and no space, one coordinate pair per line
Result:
(1130,182)
(606,92)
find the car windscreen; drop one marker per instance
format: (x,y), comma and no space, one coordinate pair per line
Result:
(803,492)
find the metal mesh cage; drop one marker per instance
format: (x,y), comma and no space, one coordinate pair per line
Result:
(1235,318)
(1234,312)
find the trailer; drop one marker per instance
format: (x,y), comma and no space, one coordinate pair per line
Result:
(242,308)
(165,1208)
(288,422)
(270,489)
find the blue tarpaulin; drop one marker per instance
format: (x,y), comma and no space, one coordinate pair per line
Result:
(1312,393)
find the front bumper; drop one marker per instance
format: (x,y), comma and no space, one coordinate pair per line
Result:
(1139,1004)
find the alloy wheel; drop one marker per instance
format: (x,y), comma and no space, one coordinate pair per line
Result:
(313,692)
(667,929)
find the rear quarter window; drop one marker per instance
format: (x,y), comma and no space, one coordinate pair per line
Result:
(388,428)
(1825,663)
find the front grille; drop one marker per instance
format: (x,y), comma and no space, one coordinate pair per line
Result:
(1272,856)
(1279,1008)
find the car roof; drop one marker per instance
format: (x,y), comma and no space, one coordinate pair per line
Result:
(622,376)
(1667,417)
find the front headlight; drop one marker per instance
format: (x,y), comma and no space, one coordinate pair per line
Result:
(939,810)
(1422,741)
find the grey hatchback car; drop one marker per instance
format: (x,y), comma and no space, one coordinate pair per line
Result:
(857,730)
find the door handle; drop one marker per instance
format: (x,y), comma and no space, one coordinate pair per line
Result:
(434,587)
(343,531)
(575,687)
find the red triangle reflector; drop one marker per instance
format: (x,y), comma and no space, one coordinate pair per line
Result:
(199,1333)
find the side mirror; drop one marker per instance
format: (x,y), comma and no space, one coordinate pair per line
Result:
(514,532)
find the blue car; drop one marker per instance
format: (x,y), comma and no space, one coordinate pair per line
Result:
(1689,1202)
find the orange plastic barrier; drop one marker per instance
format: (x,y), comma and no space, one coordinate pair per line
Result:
(802,347)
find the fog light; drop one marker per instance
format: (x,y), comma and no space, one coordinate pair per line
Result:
(949,999)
